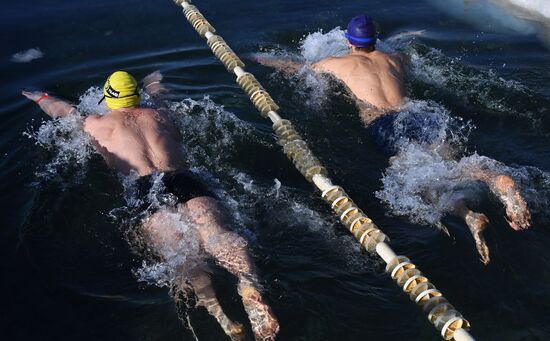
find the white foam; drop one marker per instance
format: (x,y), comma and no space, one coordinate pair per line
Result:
(318,45)
(69,144)
(27,55)
(88,102)
(177,243)
(209,133)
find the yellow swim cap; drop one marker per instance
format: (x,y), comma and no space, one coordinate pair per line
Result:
(121,91)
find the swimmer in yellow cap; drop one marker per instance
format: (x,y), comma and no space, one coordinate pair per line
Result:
(143,141)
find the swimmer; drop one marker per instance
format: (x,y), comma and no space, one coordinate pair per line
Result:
(376,81)
(144,141)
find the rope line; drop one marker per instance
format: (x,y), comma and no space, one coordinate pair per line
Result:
(446,319)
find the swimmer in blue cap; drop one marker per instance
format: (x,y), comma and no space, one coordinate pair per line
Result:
(376,80)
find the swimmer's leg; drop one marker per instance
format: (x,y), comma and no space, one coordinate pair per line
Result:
(229,250)
(477,223)
(506,190)
(164,236)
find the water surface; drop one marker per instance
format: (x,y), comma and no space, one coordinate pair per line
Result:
(69,269)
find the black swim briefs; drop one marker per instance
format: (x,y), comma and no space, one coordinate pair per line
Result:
(183,184)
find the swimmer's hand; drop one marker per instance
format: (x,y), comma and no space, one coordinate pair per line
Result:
(34,95)
(52,106)
(152,83)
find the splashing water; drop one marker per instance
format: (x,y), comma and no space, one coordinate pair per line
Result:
(177,245)
(89,102)
(431,122)
(419,184)
(69,144)
(318,45)
(209,133)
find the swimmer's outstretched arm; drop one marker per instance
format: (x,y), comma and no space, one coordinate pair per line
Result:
(53,106)
(290,66)
(283,64)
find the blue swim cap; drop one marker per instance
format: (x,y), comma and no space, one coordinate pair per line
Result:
(361,32)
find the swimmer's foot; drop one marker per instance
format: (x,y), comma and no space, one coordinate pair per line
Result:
(264,324)
(477,222)
(518,215)
(198,291)
(234,330)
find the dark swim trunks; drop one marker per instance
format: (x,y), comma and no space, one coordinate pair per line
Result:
(392,131)
(182,184)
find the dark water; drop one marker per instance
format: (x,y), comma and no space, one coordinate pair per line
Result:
(68,270)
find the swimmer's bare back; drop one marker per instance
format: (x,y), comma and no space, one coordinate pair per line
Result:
(143,140)
(373,77)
